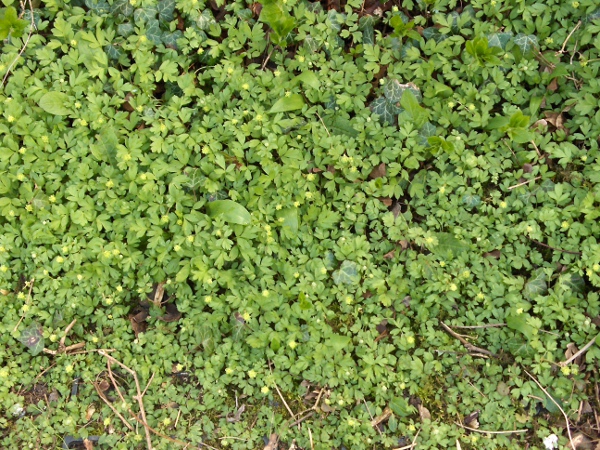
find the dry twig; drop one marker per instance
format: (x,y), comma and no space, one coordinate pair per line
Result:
(473,350)
(579,353)
(557,405)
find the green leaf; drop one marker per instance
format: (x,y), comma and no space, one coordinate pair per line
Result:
(572,281)
(290,219)
(526,42)
(385,109)
(499,40)
(518,322)
(205,20)
(401,407)
(337,342)
(305,304)
(10,23)
(166,10)
(471,201)
(536,286)
(285,104)
(308,78)
(347,274)
(411,105)
(55,103)
(229,211)
(449,246)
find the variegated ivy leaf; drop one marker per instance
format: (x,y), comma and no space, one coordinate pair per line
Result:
(123,7)
(335,19)
(205,20)
(125,29)
(145,15)
(386,110)
(166,10)
(153,32)
(526,42)
(99,7)
(434,33)
(536,285)
(471,201)
(347,273)
(572,281)
(368,35)
(113,51)
(427,130)
(311,44)
(170,39)
(499,40)
(393,90)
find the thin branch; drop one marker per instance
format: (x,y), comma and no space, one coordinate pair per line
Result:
(562,50)
(281,396)
(103,397)
(477,430)
(474,327)
(472,348)
(8,71)
(579,353)
(139,396)
(557,405)
(570,252)
(523,183)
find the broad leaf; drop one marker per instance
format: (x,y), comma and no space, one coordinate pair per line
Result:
(518,322)
(229,211)
(291,103)
(536,285)
(55,103)
(526,42)
(33,338)
(385,109)
(448,246)
(337,342)
(499,40)
(411,105)
(347,273)
(401,407)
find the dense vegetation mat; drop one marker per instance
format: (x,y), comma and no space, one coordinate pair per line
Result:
(294,224)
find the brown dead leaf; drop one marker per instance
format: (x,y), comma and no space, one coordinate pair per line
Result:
(493,254)
(555,119)
(540,125)
(424,413)
(90,412)
(571,350)
(256,8)
(396,210)
(378,172)
(237,416)
(172,313)
(273,441)
(157,294)
(471,420)
(89,445)
(138,322)
(403,244)
(382,327)
(553,86)
(180,23)
(126,104)
(103,385)
(386,201)
(315,170)
(581,442)
(390,255)
(385,415)
(4,292)
(527,168)
(326,408)
(53,397)
(334,4)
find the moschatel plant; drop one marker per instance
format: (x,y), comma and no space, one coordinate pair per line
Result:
(286,212)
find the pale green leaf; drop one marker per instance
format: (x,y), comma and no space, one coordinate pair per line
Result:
(285,104)
(229,211)
(55,103)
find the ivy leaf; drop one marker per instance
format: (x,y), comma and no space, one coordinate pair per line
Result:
(526,42)
(153,31)
(54,103)
(123,7)
(401,407)
(347,273)
(285,104)
(229,211)
(427,130)
(33,338)
(573,282)
(205,20)
(536,285)
(166,10)
(113,52)
(393,90)
(499,40)
(99,7)
(471,201)
(125,29)
(145,15)
(520,347)
(386,110)
(170,39)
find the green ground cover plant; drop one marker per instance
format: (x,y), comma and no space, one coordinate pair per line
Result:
(296,224)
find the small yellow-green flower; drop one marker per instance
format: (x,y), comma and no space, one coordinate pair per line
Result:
(292,344)
(228,370)
(246,316)
(264,390)
(252,373)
